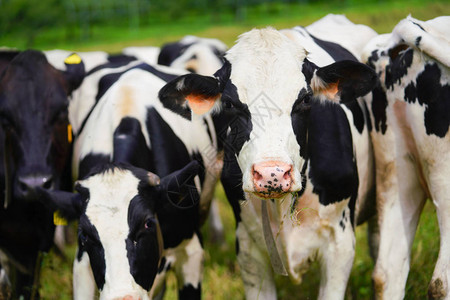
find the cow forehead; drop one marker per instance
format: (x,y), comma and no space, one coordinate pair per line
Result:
(110,194)
(267,66)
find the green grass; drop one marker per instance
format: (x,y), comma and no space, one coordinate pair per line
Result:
(221,277)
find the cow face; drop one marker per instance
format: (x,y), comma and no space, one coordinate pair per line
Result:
(197,55)
(118,207)
(266,88)
(33,115)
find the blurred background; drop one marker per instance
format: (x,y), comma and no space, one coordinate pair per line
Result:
(111,25)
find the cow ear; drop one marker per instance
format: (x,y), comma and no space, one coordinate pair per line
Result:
(74,73)
(68,204)
(193,92)
(178,188)
(343,81)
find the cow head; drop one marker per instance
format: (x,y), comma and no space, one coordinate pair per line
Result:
(197,55)
(266,87)
(34,125)
(117,206)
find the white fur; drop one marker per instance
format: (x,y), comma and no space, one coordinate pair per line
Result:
(147,54)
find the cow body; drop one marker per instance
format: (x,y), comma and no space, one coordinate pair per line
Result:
(36,153)
(294,156)
(410,111)
(129,124)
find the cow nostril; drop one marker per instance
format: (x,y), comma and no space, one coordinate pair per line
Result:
(287,175)
(257,175)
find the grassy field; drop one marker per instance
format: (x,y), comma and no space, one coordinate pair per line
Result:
(222,279)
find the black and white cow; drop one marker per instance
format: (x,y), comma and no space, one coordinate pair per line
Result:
(296,149)
(35,150)
(410,112)
(123,213)
(129,124)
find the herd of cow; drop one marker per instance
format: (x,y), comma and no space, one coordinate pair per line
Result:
(311,131)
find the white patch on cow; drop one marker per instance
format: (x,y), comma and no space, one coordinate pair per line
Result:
(84,287)
(186,260)
(200,56)
(107,210)
(147,54)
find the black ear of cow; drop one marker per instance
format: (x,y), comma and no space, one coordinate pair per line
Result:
(69,204)
(178,188)
(74,73)
(348,78)
(173,95)
(197,88)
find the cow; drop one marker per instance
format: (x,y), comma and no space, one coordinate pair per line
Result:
(129,125)
(197,55)
(297,164)
(410,114)
(123,212)
(35,150)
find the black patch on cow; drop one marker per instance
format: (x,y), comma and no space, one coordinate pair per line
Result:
(198,157)
(398,68)
(336,51)
(121,59)
(90,162)
(237,246)
(142,241)
(373,58)
(379,105)
(168,151)
(170,154)
(89,241)
(299,117)
(171,51)
(308,69)
(435,97)
(190,292)
(417,42)
(162,264)
(333,171)
(358,115)
(367,116)
(130,145)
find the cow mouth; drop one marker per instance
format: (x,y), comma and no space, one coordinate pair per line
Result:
(270,195)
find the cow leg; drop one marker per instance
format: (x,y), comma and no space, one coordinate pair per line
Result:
(400,200)
(83,278)
(215,224)
(189,270)
(439,286)
(337,258)
(256,270)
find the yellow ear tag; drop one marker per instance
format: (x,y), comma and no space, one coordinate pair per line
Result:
(73,59)
(69,133)
(58,219)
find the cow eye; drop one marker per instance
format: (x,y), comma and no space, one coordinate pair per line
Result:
(149,224)
(227,104)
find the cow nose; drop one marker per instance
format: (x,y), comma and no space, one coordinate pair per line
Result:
(272,179)
(27,184)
